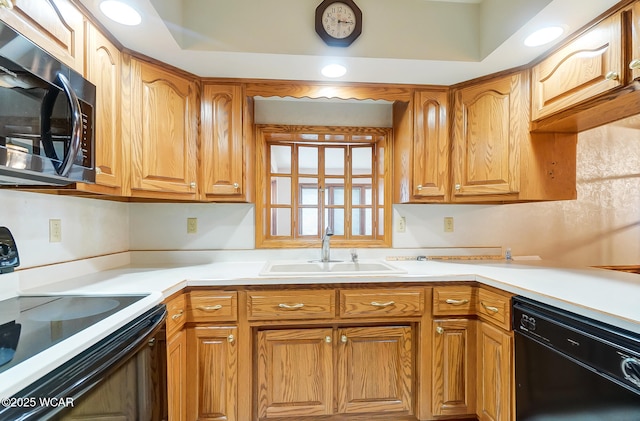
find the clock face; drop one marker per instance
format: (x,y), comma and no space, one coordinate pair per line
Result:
(339,20)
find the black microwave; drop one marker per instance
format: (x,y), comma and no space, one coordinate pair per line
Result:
(46,117)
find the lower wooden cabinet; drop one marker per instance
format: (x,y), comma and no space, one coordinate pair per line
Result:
(495,373)
(177,375)
(298,368)
(454,378)
(212,364)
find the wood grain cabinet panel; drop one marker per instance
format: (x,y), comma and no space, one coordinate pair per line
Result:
(176,314)
(295,373)
(453,377)
(375,370)
(177,376)
(283,305)
(212,306)
(454,300)
(381,303)
(54,25)
(586,67)
(495,373)
(164,133)
(212,386)
(494,308)
(225,151)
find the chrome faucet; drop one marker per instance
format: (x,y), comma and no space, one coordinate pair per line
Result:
(324,257)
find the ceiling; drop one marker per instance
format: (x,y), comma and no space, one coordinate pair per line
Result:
(402,41)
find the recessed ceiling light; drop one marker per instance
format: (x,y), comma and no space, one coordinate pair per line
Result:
(334,70)
(543,36)
(120,12)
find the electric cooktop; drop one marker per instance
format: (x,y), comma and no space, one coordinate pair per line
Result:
(31,324)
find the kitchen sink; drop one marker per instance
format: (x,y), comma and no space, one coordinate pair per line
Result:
(318,268)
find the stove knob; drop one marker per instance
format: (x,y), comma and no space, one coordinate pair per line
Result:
(5,250)
(631,370)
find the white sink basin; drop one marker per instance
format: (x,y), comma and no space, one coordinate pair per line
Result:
(317,268)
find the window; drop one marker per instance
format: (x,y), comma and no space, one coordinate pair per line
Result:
(318,177)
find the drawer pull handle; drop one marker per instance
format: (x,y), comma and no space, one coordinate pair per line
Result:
(210,308)
(440,330)
(454,302)
(611,76)
(177,315)
(489,308)
(344,339)
(635,64)
(387,304)
(231,338)
(291,306)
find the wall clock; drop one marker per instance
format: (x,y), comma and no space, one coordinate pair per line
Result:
(338,22)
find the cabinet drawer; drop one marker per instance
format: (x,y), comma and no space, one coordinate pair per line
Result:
(306,304)
(495,308)
(176,309)
(206,306)
(381,302)
(454,300)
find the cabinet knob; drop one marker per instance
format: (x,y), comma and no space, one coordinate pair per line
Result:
(419,187)
(634,64)
(6,4)
(327,339)
(611,76)
(440,330)
(344,339)
(192,185)
(231,338)
(98,170)
(458,187)
(236,186)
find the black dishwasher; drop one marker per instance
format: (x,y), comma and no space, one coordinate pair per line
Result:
(569,367)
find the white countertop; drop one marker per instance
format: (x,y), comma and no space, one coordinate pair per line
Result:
(610,296)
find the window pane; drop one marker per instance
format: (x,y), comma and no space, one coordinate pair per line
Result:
(361,193)
(361,161)
(380,222)
(308,191)
(334,191)
(280,159)
(281,190)
(281,222)
(307,160)
(362,221)
(334,218)
(308,221)
(334,161)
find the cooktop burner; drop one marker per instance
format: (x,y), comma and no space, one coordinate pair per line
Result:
(31,324)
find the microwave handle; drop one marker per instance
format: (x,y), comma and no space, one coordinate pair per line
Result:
(76,126)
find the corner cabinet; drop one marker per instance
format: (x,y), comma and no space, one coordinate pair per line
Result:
(421,148)
(226,149)
(163,132)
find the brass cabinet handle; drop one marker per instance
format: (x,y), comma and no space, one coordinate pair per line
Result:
(344,339)
(231,338)
(454,302)
(6,4)
(387,304)
(489,308)
(177,315)
(634,64)
(419,187)
(236,186)
(611,75)
(439,330)
(193,184)
(327,339)
(210,308)
(291,306)
(458,187)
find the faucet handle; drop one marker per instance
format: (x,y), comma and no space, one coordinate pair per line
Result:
(328,232)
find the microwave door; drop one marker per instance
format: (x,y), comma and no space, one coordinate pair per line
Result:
(62,164)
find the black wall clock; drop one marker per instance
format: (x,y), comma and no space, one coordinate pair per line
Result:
(338,22)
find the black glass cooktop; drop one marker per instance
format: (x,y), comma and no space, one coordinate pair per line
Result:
(31,324)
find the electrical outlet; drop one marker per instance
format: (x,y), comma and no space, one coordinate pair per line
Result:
(448,224)
(401,224)
(55,230)
(192,225)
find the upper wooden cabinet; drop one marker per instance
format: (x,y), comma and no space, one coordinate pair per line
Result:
(163,133)
(587,66)
(54,25)
(421,148)
(226,149)
(634,59)
(103,69)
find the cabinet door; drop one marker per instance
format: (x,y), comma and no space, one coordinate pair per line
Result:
(431,146)
(176,376)
(634,60)
(295,373)
(103,70)
(453,378)
(222,146)
(212,369)
(490,121)
(54,25)
(494,374)
(375,370)
(164,133)
(589,65)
